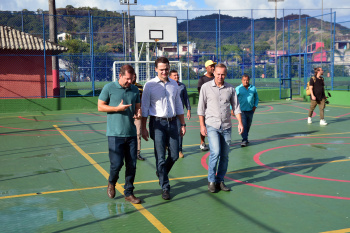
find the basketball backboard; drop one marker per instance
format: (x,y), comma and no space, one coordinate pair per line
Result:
(151,29)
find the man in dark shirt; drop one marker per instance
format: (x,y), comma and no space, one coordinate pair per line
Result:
(317,96)
(208,76)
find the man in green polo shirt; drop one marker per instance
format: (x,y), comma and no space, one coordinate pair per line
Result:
(121,101)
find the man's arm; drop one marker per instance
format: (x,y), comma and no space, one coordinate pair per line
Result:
(187,103)
(240,125)
(103,106)
(144,130)
(203,128)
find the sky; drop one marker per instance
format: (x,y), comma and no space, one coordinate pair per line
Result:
(239,7)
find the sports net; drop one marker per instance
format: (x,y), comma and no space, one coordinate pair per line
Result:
(145,70)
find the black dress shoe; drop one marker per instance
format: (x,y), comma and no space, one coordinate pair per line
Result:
(139,157)
(111,190)
(211,187)
(223,187)
(166,195)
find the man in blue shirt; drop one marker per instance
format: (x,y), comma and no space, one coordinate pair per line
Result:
(185,102)
(248,99)
(121,101)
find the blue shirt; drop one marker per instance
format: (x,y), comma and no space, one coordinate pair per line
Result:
(247,98)
(184,96)
(120,124)
(161,99)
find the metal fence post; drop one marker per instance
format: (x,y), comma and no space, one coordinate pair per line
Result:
(45,70)
(253,47)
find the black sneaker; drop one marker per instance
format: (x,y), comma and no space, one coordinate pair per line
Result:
(244,144)
(166,195)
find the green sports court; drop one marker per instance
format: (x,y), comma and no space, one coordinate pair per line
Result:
(293,176)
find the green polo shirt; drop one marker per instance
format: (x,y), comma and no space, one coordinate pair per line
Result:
(120,124)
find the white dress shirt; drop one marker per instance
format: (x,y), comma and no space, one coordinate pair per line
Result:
(161,99)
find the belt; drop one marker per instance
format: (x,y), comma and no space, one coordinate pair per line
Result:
(165,118)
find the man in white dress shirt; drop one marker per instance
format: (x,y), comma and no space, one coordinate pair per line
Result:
(161,101)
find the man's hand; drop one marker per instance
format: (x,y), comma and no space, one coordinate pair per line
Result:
(188,114)
(240,128)
(204,131)
(313,97)
(183,131)
(254,109)
(123,107)
(138,114)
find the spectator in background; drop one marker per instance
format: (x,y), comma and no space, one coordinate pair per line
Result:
(248,100)
(318,96)
(208,76)
(185,102)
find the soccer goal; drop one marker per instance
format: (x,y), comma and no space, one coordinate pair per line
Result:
(145,70)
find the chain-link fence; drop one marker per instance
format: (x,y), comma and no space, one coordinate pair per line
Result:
(247,41)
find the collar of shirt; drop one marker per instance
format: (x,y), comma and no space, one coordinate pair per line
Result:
(157,79)
(214,84)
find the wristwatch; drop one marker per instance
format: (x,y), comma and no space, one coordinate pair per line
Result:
(183,125)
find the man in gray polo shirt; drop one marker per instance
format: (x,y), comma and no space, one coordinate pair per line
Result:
(215,99)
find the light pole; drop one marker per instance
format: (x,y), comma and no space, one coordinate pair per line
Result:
(127,2)
(275,33)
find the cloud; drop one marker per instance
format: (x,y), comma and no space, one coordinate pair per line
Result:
(181,5)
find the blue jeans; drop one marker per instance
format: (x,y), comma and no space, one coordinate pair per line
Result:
(164,133)
(247,118)
(219,144)
(123,148)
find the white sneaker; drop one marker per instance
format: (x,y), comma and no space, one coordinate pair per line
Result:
(323,122)
(203,147)
(309,120)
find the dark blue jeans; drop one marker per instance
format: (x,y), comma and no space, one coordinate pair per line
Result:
(247,118)
(164,133)
(123,148)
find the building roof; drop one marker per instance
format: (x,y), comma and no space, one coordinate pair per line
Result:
(14,39)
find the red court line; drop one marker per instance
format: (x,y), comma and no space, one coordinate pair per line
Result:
(205,165)
(343,115)
(257,160)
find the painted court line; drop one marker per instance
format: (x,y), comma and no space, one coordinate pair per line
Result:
(176,178)
(153,220)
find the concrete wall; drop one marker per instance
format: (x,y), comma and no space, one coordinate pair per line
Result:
(338,97)
(23,76)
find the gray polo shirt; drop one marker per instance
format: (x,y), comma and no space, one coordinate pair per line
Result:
(214,103)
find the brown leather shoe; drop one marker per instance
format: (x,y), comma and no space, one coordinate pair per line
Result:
(181,155)
(111,190)
(133,199)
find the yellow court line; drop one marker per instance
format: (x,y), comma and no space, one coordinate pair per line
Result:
(155,222)
(176,178)
(325,134)
(347,230)
(51,192)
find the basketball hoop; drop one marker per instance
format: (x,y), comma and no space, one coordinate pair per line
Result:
(156,40)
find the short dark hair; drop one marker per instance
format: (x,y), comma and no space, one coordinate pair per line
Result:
(161,60)
(172,71)
(220,65)
(246,76)
(126,68)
